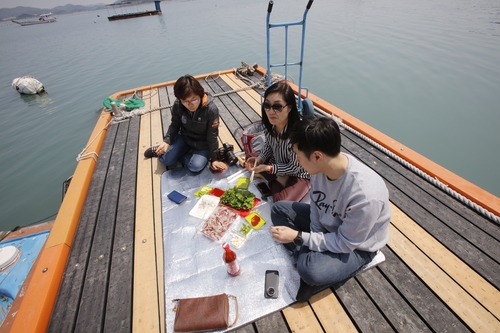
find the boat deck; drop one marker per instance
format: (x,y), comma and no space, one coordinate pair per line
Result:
(442,269)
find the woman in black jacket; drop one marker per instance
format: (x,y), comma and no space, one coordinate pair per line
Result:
(192,135)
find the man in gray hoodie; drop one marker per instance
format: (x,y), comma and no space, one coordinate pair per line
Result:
(341,231)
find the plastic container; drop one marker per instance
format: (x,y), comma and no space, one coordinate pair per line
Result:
(255,220)
(219,222)
(238,234)
(204,207)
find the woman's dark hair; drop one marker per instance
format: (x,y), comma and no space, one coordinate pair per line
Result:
(286,91)
(316,134)
(186,85)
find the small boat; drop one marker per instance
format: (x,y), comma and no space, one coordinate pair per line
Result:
(42,19)
(19,250)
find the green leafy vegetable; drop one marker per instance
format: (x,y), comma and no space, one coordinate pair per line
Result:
(238,198)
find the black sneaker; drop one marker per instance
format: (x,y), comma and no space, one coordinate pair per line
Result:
(305,292)
(151,152)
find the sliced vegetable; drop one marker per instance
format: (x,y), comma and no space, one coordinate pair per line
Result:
(238,198)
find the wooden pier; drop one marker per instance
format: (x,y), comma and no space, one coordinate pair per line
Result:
(442,269)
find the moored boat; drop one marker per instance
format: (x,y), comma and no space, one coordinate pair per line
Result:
(128,15)
(42,19)
(19,250)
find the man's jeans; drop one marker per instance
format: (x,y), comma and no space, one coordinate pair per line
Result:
(179,150)
(316,268)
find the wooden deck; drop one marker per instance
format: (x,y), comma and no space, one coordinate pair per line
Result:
(442,269)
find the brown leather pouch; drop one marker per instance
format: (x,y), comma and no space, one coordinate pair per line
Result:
(203,313)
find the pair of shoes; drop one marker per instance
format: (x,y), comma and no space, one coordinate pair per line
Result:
(305,292)
(151,152)
(378,259)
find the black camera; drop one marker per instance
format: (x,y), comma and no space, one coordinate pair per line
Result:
(226,154)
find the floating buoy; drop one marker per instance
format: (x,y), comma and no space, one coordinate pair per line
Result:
(27,85)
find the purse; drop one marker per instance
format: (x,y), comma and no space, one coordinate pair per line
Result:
(203,313)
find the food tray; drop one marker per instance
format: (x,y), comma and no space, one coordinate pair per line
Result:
(238,233)
(205,189)
(219,222)
(243,183)
(255,220)
(217,192)
(204,207)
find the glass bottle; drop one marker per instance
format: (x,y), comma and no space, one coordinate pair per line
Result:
(229,257)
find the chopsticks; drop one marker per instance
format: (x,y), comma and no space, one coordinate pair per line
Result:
(235,175)
(253,171)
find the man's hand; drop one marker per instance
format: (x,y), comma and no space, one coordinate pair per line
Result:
(284,234)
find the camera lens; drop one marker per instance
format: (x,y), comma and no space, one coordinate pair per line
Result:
(270,291)
(231,158)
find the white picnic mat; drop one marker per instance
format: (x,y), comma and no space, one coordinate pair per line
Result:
(193,262)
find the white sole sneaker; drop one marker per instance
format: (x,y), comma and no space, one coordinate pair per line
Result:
(377,260)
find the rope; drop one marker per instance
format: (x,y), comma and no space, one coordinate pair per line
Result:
(416,170)
(92,154)
(262,83)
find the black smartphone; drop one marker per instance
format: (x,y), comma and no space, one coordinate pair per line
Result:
(272,283)
(176,197)
(263,189)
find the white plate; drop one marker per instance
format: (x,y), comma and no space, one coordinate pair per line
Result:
(205,206)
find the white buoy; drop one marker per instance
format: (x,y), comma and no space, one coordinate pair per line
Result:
(8,256)
(27,85)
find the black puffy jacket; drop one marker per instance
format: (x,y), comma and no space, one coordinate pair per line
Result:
(199,129)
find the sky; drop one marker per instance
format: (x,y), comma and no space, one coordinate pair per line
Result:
(48,3)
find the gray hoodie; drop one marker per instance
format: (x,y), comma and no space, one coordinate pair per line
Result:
(349,213)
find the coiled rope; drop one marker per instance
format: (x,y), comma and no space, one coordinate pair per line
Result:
(416,170)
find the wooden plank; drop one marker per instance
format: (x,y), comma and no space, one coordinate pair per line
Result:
(394,308)
(361,309)
(226,116)
(119,302)
(158,169)
(466,307)
(235,103)
(245,329)
(93,300)
(256,81)
(272,323)
(225,136)
(433,311)
(250,96)
(166,114)
(462,274)
(330,313)
(300,318)
(250,111)
(146,316)
(64,313)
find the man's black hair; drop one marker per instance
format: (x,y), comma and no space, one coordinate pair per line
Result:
(312,134)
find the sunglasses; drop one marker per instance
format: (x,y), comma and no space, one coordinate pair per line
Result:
(275,107)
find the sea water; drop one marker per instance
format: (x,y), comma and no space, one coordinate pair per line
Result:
(426,73)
